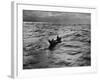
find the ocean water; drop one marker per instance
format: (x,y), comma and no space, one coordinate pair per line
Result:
(73,51)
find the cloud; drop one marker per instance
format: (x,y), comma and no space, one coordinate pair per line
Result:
(56,17)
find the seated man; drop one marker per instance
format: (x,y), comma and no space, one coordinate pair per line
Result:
(58,39)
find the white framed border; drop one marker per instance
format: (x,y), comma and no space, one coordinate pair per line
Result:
(17,52)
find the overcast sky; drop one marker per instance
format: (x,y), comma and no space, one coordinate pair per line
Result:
(57,17)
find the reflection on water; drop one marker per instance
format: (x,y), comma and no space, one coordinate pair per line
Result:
(74,49)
